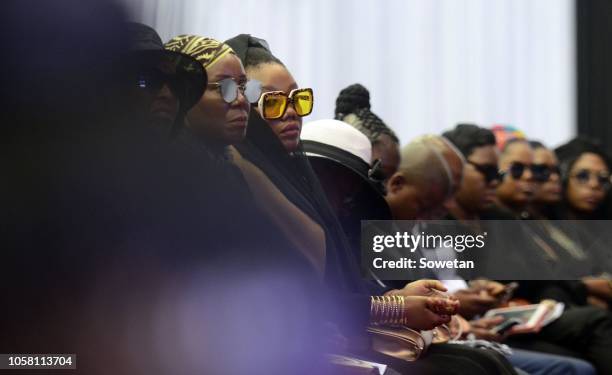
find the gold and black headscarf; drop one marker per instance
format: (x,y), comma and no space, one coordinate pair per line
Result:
(206,50)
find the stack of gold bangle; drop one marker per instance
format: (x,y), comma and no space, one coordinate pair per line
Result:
(388,310)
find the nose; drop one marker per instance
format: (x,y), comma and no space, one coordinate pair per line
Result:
(528,175)
(165,93)
(241,101)
(290,113)
(554,177)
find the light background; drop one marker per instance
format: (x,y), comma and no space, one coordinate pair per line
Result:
(428,64)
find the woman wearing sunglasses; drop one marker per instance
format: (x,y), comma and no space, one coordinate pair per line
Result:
(273,145)
(547,193)
(517,184)
(220,117)
(586,178)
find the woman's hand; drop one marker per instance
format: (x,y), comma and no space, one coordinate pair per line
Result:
(424,288)
(425,313)
(482,329)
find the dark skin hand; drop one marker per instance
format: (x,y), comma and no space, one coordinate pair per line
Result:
(599,288)
(473,303)
(425,288)
(482,296)
(482,329)
(425,313)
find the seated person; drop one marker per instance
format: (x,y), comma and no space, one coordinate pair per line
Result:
(586,325)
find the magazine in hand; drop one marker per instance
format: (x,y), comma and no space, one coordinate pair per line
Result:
(533,317)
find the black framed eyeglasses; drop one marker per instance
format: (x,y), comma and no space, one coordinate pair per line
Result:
(228,87)
(543,172)
(489,171)
(583,177)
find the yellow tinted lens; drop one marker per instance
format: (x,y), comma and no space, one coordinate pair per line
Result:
(274,106)
(303,101)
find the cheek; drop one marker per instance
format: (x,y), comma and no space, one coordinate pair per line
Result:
(207,114)
(473,182)
(275,125)
(573,191)
(506,185)
(213,108)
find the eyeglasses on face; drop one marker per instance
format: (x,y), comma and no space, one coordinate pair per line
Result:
(489,171)
(153,80)
(543,172)
(584,176)
(517,169)
(273,104)
(229,87)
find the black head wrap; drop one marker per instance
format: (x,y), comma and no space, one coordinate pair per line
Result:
(252,51)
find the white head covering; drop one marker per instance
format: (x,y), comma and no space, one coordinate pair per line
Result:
(339,134)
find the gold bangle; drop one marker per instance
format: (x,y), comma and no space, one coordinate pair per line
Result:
(403,308)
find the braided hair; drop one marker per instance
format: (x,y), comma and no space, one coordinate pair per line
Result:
(353,107)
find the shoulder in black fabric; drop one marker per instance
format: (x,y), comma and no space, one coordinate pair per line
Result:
(294,177)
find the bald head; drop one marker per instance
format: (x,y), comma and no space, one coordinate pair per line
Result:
(424,180)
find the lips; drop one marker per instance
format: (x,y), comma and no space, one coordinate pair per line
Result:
(290,131)
(239,119)
(592,201)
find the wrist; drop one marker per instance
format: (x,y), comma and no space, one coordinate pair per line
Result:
(388,310)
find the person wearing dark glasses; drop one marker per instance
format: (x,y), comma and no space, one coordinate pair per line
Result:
(586,178)
(478,145)
(481,175)
(547,176)
(164,84)
(517,184)
(220,117)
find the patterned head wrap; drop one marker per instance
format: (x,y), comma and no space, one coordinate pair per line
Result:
(206,50)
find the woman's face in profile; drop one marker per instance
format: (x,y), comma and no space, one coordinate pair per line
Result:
(275,77)
(586,186)
(212,117)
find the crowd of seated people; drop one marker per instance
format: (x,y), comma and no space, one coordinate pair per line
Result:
(167,210)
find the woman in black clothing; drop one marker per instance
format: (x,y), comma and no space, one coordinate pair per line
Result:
(586,178)
(279,154)
(547,194)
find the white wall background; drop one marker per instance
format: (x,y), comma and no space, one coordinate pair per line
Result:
(427,63)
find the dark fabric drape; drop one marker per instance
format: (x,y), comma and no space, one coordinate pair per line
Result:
(594,47)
